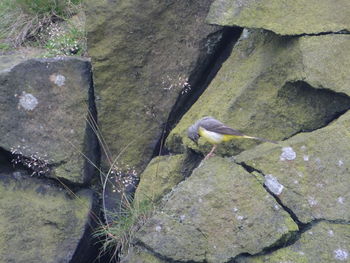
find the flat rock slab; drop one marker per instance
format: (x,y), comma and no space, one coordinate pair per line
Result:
(273,87)
(283,16)
(39,222)
(43,106)
(143,53)
(309,172)
(219,212)
(324,242)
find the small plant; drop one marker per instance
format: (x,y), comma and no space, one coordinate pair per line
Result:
(119,233)
(22,21)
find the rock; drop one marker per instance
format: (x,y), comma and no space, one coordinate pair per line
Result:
(273,87)
(159,177)
(144,53)
(324,242)
(138,255)
(283,17)
(41,222)
(313,170)
(44,104)
(219,212)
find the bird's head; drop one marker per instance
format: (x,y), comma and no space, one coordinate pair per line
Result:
(192,133)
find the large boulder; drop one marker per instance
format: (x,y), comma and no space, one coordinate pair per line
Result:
(273,87)
(41,221)
(309,172)
(324,242)
(218,213)
(144,54)
(283,16)
(44,104)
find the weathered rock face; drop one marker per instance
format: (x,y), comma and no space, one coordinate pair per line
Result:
(43,105)
(324,242)
(273,87)
(282,16)
(216,214)
(313,169)
(143,53)
(160,176)
(39,221)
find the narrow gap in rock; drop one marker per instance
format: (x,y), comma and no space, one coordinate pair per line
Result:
(199,80)
(341,32)
(251,169)
(8,166)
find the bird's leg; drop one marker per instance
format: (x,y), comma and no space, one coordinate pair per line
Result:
(210,153)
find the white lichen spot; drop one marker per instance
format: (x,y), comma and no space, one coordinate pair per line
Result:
(287,154)
(303,148)
(277,207)
(273,185)
(240,218)
(158,228)
(235,209)
(319,185)
(310,233)
(182,217)
(312,201)
(340,200)
(296,181)
(58,79)
(200,200)
(306,158)
(330,233)
(340,163)
(300,174)
(341,254)
(301,253)
(245,33)
(27,101)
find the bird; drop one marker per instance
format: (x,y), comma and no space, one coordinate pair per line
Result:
(215,132)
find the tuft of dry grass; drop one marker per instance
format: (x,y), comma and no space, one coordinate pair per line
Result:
(22,21)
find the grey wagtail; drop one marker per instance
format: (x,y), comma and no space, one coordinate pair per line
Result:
(216,132)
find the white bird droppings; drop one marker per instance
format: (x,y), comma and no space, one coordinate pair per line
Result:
(330,233)
(306,158)
(158,228)
(340,163)
(27,101)
(287,154)
(273,185)
(341,254)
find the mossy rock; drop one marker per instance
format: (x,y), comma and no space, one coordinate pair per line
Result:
(313,168)
(282,16)
(324,242)
(217,213)
(160,176)
(273,87)
(39,221)
(143,53)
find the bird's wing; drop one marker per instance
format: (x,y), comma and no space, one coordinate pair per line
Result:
(213,125)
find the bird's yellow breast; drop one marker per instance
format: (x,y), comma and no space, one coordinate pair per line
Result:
(214,137)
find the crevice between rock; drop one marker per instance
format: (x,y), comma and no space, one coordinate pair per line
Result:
(200,78)
(288,239)
(341,32)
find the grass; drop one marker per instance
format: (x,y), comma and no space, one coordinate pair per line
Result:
(46,24)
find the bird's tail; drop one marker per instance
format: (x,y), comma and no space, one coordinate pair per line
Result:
(260,139)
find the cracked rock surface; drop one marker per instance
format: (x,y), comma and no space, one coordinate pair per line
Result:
(219,212)
(273,87)
(324,242)
(283,17)
(313,169)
